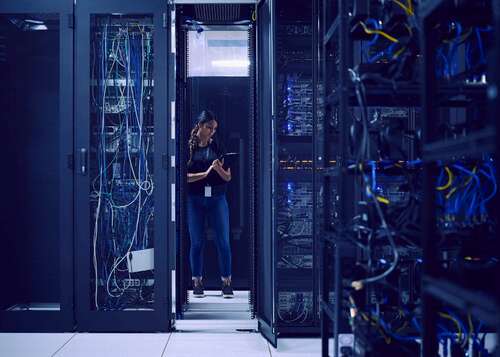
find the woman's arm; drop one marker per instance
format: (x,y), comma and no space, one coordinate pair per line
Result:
(193,177)
(224,174)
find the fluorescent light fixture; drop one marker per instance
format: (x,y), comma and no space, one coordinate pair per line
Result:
(231,63)
(29,24)
(36,22)
(38,28)
(218,54)
(199,2)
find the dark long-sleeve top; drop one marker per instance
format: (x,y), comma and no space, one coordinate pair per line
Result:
(200,162)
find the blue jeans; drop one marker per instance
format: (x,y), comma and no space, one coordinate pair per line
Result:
(217,211)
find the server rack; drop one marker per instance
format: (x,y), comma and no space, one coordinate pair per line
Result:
(453,143)
(125,180)
(454,274)
(36,51)
(287,299)
(363,97)
(296,284)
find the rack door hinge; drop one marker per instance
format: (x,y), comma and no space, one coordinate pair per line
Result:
(165,163)
(165,20)
(71,21)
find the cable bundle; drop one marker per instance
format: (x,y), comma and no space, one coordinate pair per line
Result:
(294,307)
(463,192)
(474,40)
(121,175)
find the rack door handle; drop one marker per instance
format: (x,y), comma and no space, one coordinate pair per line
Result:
(83,161)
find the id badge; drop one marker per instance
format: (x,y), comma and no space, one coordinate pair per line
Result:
(208,191)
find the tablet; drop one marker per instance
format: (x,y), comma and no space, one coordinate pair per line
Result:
(228,155)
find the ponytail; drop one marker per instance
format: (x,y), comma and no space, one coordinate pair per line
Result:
(193,142)
(204,117)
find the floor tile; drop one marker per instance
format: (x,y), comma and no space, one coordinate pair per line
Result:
(216,315)
(115,345)
(32,344)
(298,347)
(217,345)
(212,325)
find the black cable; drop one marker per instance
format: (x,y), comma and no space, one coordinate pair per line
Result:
(361,97)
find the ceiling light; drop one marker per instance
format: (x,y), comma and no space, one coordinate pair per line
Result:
(231,63)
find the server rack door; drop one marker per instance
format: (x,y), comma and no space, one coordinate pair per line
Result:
(122,171)
(266,246)
(36,45)
(170,162)
(293,147)
(182,108)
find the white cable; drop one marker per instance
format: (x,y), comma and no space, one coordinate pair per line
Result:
(145,184)
(138,116)
(98,209)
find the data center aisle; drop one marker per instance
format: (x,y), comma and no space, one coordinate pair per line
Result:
(212,326)
(179,344)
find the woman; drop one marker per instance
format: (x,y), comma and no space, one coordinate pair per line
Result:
(207,179)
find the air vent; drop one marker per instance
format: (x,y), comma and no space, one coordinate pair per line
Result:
(217,12)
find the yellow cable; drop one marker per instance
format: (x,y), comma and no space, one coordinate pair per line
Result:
(372,320)
(470,177)
(402,327)
(407,9)
(375,323)
(471,325)
(371,32)
(452,191)
(254,16)
(398,52)
(383,200)
(446,316)
(410,6)
(450,180)
(410,31)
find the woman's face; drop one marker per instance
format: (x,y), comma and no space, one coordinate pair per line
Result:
(207,130)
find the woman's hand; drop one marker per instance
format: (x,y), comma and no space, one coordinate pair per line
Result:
(217,165)
(193,177)
(212,167)
(224,174)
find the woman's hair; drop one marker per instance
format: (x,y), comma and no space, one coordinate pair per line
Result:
(204,117)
